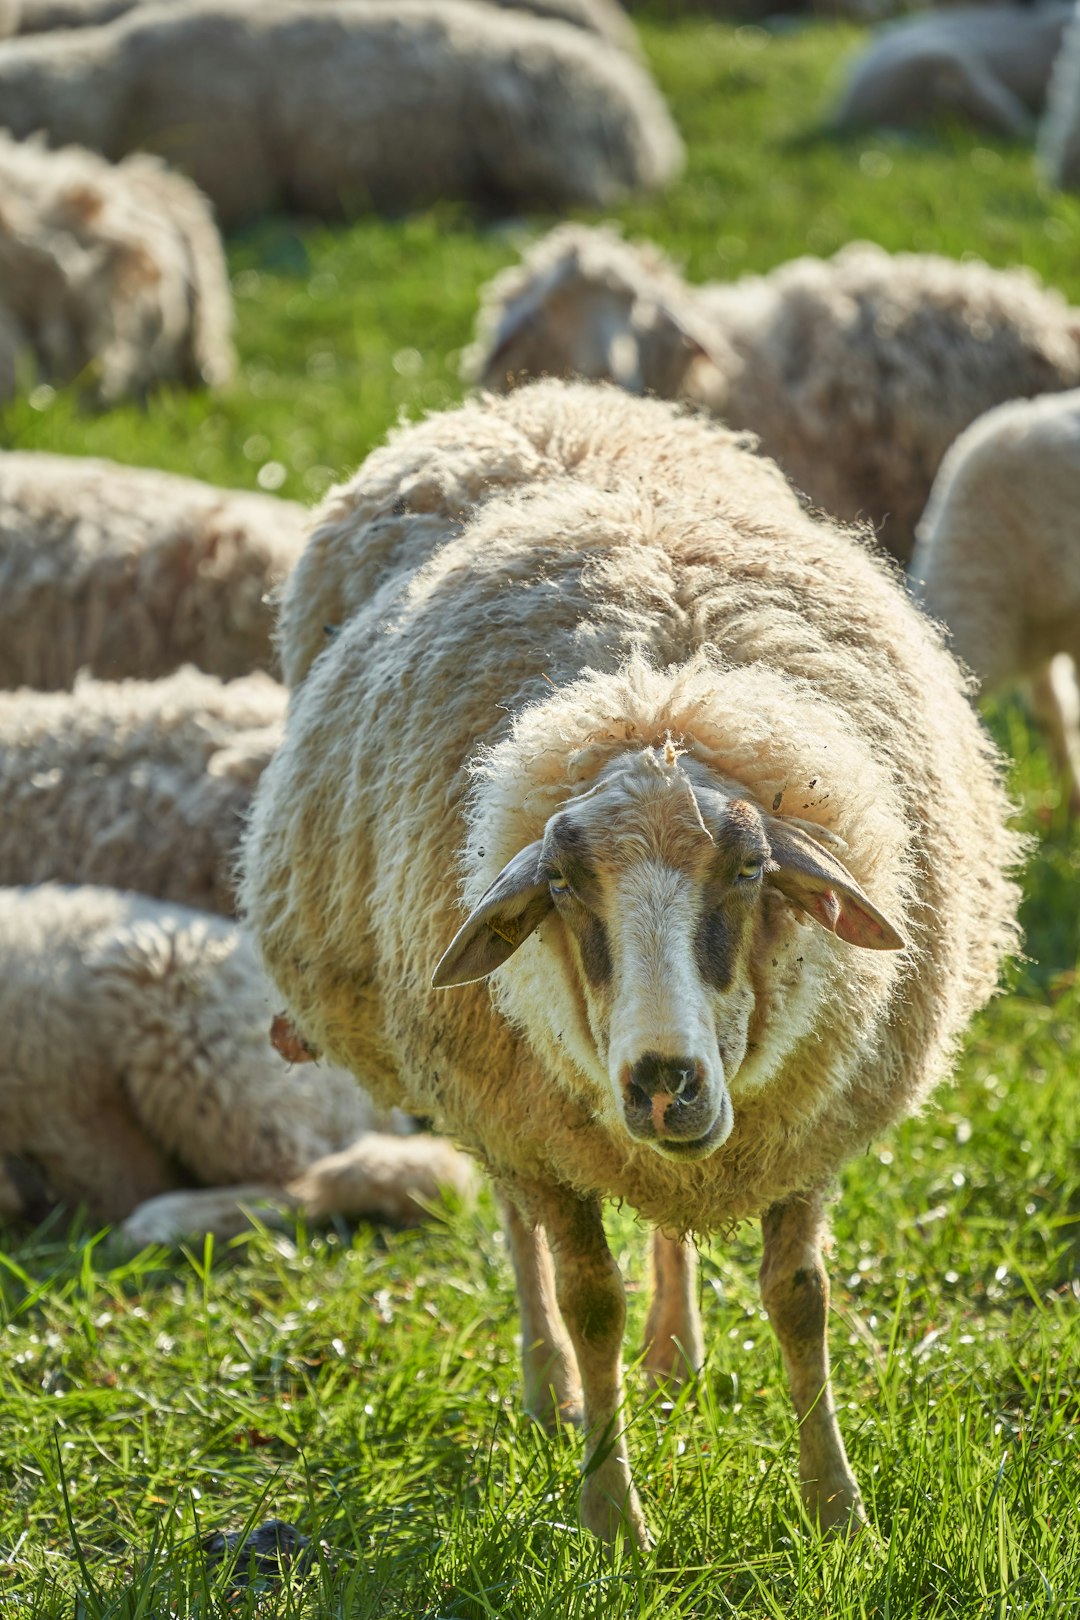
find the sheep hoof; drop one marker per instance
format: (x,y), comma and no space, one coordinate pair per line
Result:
(552,1414)
(667,1367)
(610,1507)
(839,1510)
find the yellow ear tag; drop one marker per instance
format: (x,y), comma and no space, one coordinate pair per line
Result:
(508,939)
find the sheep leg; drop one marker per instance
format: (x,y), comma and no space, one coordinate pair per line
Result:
(795,1291)
(592,1300)
(674,1346)
(549,1371)
(1055,703)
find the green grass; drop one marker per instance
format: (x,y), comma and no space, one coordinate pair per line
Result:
(364,1386)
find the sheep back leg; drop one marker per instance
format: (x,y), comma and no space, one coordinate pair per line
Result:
(674,1345)
(1055,703)
(552,1388)
(219,1212)
(592,1300)
(795,1291)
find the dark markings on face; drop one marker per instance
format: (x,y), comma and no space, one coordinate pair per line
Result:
(729,897)
(716,945)
(567,850)
(595,951)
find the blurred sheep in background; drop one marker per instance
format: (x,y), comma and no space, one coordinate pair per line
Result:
(131,572)
(989,64)
(998,559)
(856,372)
(137,1065)
(136,784)
(327,109)
(112,276)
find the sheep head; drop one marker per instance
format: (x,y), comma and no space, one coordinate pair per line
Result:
(669,893)
(601,310)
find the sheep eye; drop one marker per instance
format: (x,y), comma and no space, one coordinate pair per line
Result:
(750,870)
(558,884)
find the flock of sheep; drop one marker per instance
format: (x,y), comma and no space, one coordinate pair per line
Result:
(731,842)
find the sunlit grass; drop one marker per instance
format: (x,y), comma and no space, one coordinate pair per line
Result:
(363,1387)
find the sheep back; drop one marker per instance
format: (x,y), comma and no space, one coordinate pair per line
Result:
(131,572)
(141,785)
(329,108)
(555,578)
(998,558)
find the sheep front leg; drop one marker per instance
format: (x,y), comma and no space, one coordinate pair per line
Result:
(593,1305)
(795,1291)
(549,1372)
(1055,703)
(674,1344)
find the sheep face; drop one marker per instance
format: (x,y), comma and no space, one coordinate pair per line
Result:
(666,892)
(599,327)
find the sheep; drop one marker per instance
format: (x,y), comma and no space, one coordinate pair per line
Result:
(135,784)
(111,275)
(603,17)
(986,63)
(704,771)
(127,571)
(855,372)
(137,1065)
(1059,129)
(328,108)
(998,561)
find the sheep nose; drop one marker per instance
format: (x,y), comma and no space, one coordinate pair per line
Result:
(661,1095)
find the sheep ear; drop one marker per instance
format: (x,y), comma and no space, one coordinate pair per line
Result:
(504,917)
(820,885)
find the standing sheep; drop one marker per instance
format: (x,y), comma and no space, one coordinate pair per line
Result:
(704,770)
(329,108)
(113,276)
(855,372)
(126,571)
(137,1065)
(137,784)
(987,63)
(998,558)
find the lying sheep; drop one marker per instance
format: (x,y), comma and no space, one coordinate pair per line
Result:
(1059,131)
(998,558)
(110,275)
(704,771)
(137,1062)
(126,571)
(140,785)
(603,17)
(986,63)
(328,108)
(856,372)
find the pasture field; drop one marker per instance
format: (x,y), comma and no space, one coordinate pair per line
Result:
(363,1385)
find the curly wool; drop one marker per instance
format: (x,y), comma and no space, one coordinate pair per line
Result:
(856,372)
(137,1061)
(110,275)
(138,784)
(526,585)
(131,572)
(330,109)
